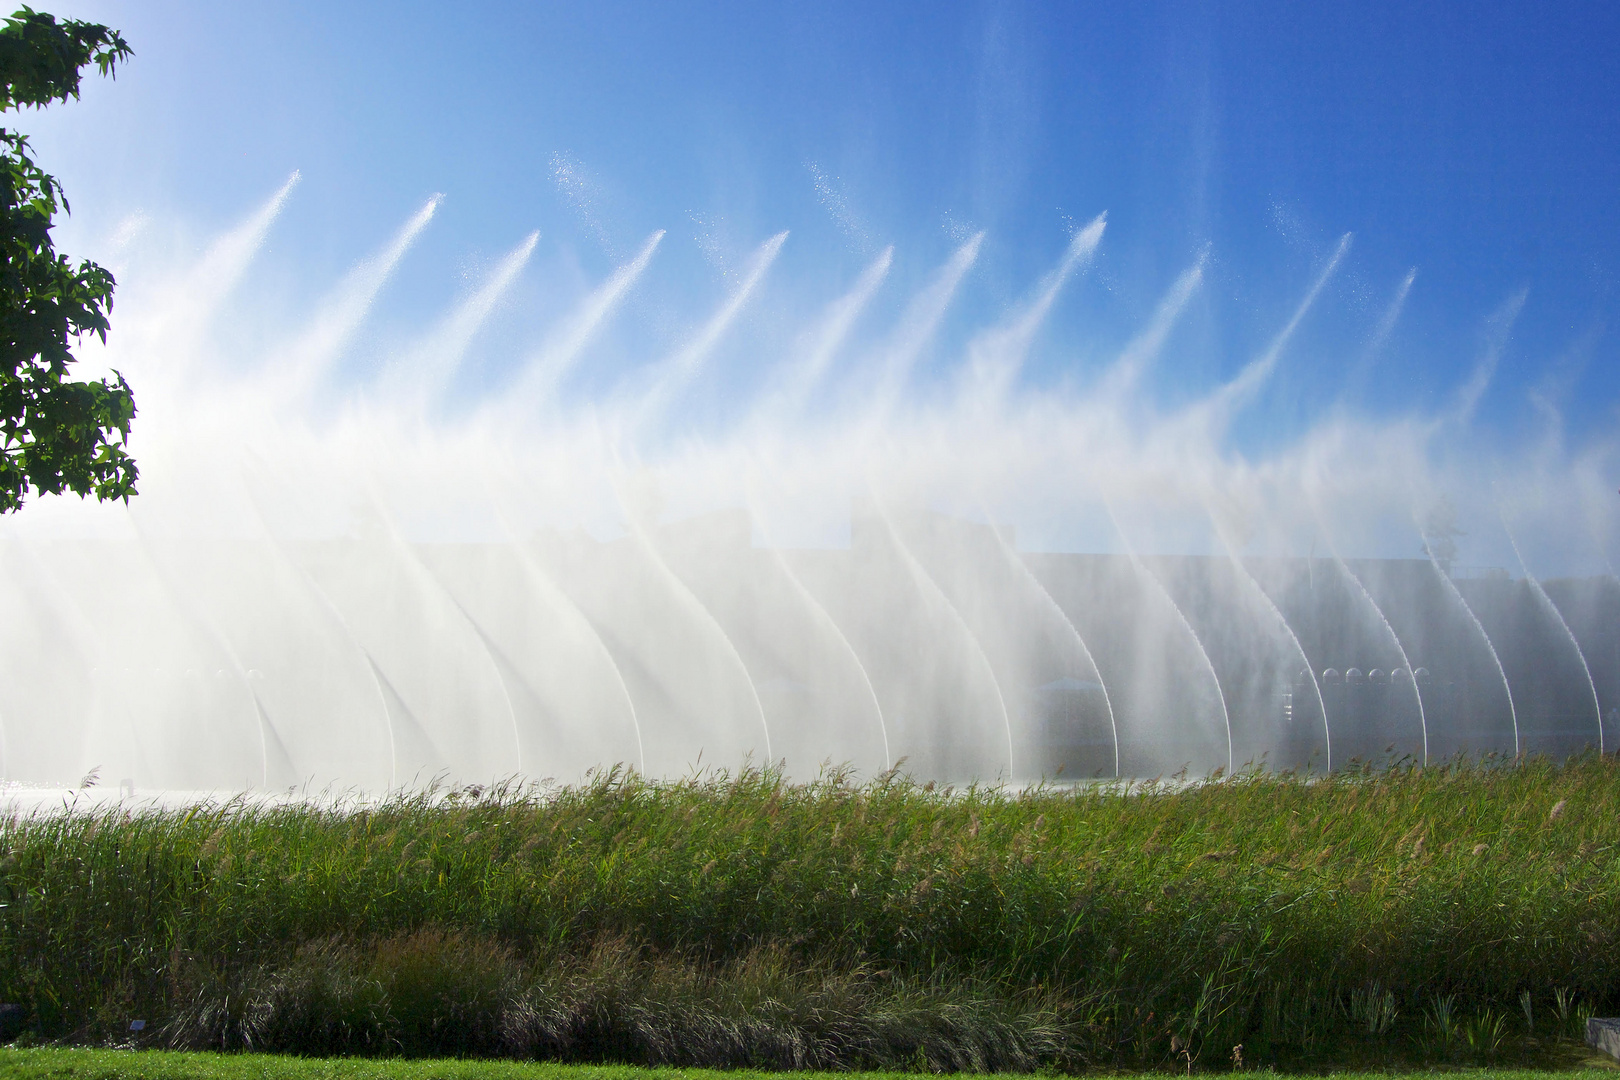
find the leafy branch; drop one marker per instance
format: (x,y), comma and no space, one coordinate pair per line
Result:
(56,434)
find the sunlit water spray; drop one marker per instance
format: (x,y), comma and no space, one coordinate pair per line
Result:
(374,583)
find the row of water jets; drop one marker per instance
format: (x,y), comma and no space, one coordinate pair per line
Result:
(364,584)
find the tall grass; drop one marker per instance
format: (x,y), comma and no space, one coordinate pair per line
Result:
(1468,912)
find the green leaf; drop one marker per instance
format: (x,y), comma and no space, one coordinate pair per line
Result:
(59,435)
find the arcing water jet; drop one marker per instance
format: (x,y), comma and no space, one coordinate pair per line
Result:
(362,584)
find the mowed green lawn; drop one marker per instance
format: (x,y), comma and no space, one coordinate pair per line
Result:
(50,1064)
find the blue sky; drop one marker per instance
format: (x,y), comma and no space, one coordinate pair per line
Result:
(1477,144)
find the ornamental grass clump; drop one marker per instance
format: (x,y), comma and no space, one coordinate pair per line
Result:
(1464,913)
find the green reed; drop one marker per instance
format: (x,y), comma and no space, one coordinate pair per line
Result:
(745,920)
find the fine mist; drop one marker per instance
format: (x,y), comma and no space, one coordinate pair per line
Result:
(420,572)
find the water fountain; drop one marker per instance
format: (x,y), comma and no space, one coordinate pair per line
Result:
(385,591)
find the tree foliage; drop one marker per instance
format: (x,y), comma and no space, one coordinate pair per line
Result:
(55,434)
